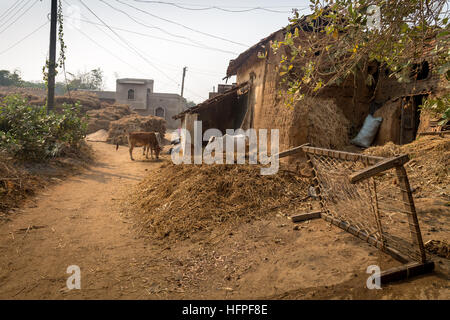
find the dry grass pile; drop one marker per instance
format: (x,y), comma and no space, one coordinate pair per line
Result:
(119,129)
(429,167)
(38,97)
(99,119)
(87,100)
(327,125)
(177,201)
(29,93)
(439,248)
(15,184)
(313,120)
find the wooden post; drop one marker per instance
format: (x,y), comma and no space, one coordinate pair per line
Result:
(378,168)
(291,152)
(343,155)
(306,216)
(406,271)
(410,208)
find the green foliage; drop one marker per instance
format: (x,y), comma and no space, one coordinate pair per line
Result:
(341,37)
(28,132)
(92,80)
(190,104)
(440,107)
(10,79)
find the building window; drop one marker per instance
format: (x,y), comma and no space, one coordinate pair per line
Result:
(160,112)
(131,94)
(420,71)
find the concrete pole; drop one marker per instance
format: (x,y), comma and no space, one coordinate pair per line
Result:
(182,83)
(52,57)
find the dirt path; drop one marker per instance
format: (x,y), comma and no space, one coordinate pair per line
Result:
(80,222)
(76,223)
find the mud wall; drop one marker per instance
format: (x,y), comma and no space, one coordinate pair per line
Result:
(295,123)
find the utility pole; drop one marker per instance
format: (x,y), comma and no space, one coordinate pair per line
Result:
(52,57)
(182,83)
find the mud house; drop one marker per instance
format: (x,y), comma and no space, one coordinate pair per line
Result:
(396,102)
(334,115)
(140,96)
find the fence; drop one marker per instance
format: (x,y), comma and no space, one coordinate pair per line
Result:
(369,197)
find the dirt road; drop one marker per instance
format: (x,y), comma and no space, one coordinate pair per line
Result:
(75,223)
(80,222)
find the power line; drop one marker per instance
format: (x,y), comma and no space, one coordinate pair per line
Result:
(146,25)
(108,51)
(115,56)
(203,8)
(24,38)
(26,10)
(14,13)
(134,49)
(197,44)
(175,67)
(196,70)
(127,47)
(152,27)
(13,6)
(181,25)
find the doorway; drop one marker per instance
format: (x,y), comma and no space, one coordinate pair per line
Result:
(410,117)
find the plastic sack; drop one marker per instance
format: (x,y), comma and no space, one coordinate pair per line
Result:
(368,132)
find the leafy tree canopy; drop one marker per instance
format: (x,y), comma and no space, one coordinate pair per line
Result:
(91,80)
(341,37)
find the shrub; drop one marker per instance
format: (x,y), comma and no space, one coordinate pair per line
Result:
(28,132)
(440,107)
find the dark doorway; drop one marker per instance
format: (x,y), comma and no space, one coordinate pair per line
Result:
(410,118)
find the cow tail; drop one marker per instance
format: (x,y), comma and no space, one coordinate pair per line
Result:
(117,146)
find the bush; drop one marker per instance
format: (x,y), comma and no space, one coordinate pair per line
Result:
(440,107)
(28,132)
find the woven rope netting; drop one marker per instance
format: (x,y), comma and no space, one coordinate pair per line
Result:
(375,207)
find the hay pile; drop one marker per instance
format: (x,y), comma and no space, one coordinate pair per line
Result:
(87,100)
(177,201)
(327,125)
(317,121)
(429,167)
(118,129)
(98,136)
(29,93)
(38,97)
(99,119)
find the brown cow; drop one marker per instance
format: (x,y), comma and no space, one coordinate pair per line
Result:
(148,140)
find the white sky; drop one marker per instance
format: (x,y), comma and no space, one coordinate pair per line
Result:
(206,68)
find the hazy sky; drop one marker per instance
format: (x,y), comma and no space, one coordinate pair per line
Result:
(155,49)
